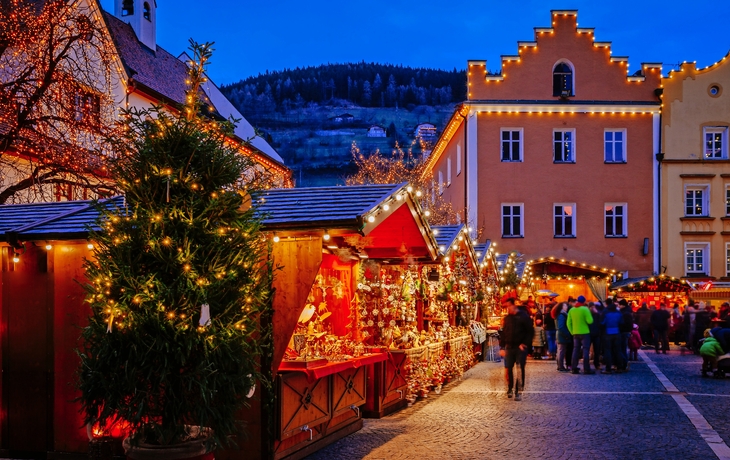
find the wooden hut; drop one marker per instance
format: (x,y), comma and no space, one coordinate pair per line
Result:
(41,309)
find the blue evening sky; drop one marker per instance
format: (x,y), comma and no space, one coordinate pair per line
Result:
(254,36)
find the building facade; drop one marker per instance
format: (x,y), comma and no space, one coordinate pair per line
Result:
(553,156)
(695,172)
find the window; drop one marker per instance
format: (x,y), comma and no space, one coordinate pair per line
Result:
(564,220)
(458,159)
(696,258)
(695,201)
(146,11)
(615,214)
(562,80)
(127,7)
(727,259)
(716,142)
(511,144)
(86,108)
(512,220)
(727,201)
(564,146)
(441,183)
(448,171)
(614,145)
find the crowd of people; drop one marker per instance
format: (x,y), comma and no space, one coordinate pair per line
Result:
(606,335)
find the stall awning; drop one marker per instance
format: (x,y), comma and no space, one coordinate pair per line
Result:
(63,220)
(660,283)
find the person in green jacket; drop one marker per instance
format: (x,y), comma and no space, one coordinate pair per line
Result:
(709,351)
(579,319)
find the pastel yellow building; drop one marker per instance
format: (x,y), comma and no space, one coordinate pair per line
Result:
(695,172)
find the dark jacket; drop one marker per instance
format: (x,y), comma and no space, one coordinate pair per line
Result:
(627,320)
(722,335)
(564,335)
(660,320)
(596,326)
(643,318)
(517,330)
(549,322)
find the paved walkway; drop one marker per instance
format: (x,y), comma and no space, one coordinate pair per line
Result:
(661,409)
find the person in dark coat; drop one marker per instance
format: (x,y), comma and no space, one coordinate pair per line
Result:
(722,335)
(563,336)
(625,329)
(514,342)
(596,333)
(702,322)
(611,322)
(550,331)
(660,325)
(643,319)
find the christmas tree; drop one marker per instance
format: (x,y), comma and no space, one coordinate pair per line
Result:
(179,281)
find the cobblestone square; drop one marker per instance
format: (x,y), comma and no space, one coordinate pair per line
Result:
(561,416)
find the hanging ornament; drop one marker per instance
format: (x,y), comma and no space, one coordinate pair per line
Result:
(204,315)
(110,321)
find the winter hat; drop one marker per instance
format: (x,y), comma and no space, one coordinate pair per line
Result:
(636,326)
(581,299)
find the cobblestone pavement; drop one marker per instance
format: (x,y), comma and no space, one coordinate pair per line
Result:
(561,416)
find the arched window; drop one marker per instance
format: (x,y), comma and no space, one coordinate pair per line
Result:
(562,80)
(127,7)
(146,11)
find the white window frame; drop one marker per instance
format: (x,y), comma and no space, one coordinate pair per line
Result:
(705,189)
(521,142)
(572,144)
(521,216)
(722,130)
(625,215)
(441,183)
(458,159)
(448,172)
(573,220)
(623,146)
(705,247)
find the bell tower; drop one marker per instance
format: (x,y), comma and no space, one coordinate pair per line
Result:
(142,16)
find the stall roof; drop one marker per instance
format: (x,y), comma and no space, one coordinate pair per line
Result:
(482,250)
(519,266)
(63,220)
(322,207)
(664,284)
(446,235)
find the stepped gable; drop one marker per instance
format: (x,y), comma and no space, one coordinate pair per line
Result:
(599,76)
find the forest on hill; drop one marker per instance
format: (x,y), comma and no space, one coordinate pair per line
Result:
(363,84)
(315,117)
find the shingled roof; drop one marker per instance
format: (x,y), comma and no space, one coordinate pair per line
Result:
(318,207)
(64,220)
(163,75)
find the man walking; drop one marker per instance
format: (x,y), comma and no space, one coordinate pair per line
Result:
(660,324)
(579,321)
(514,342)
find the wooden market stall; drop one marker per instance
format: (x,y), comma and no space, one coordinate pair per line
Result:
(328,350)
(489,277)
(41,309)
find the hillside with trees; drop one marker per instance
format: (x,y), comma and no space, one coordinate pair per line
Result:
(298,111)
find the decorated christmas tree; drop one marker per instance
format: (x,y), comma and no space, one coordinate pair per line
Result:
(179,280)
